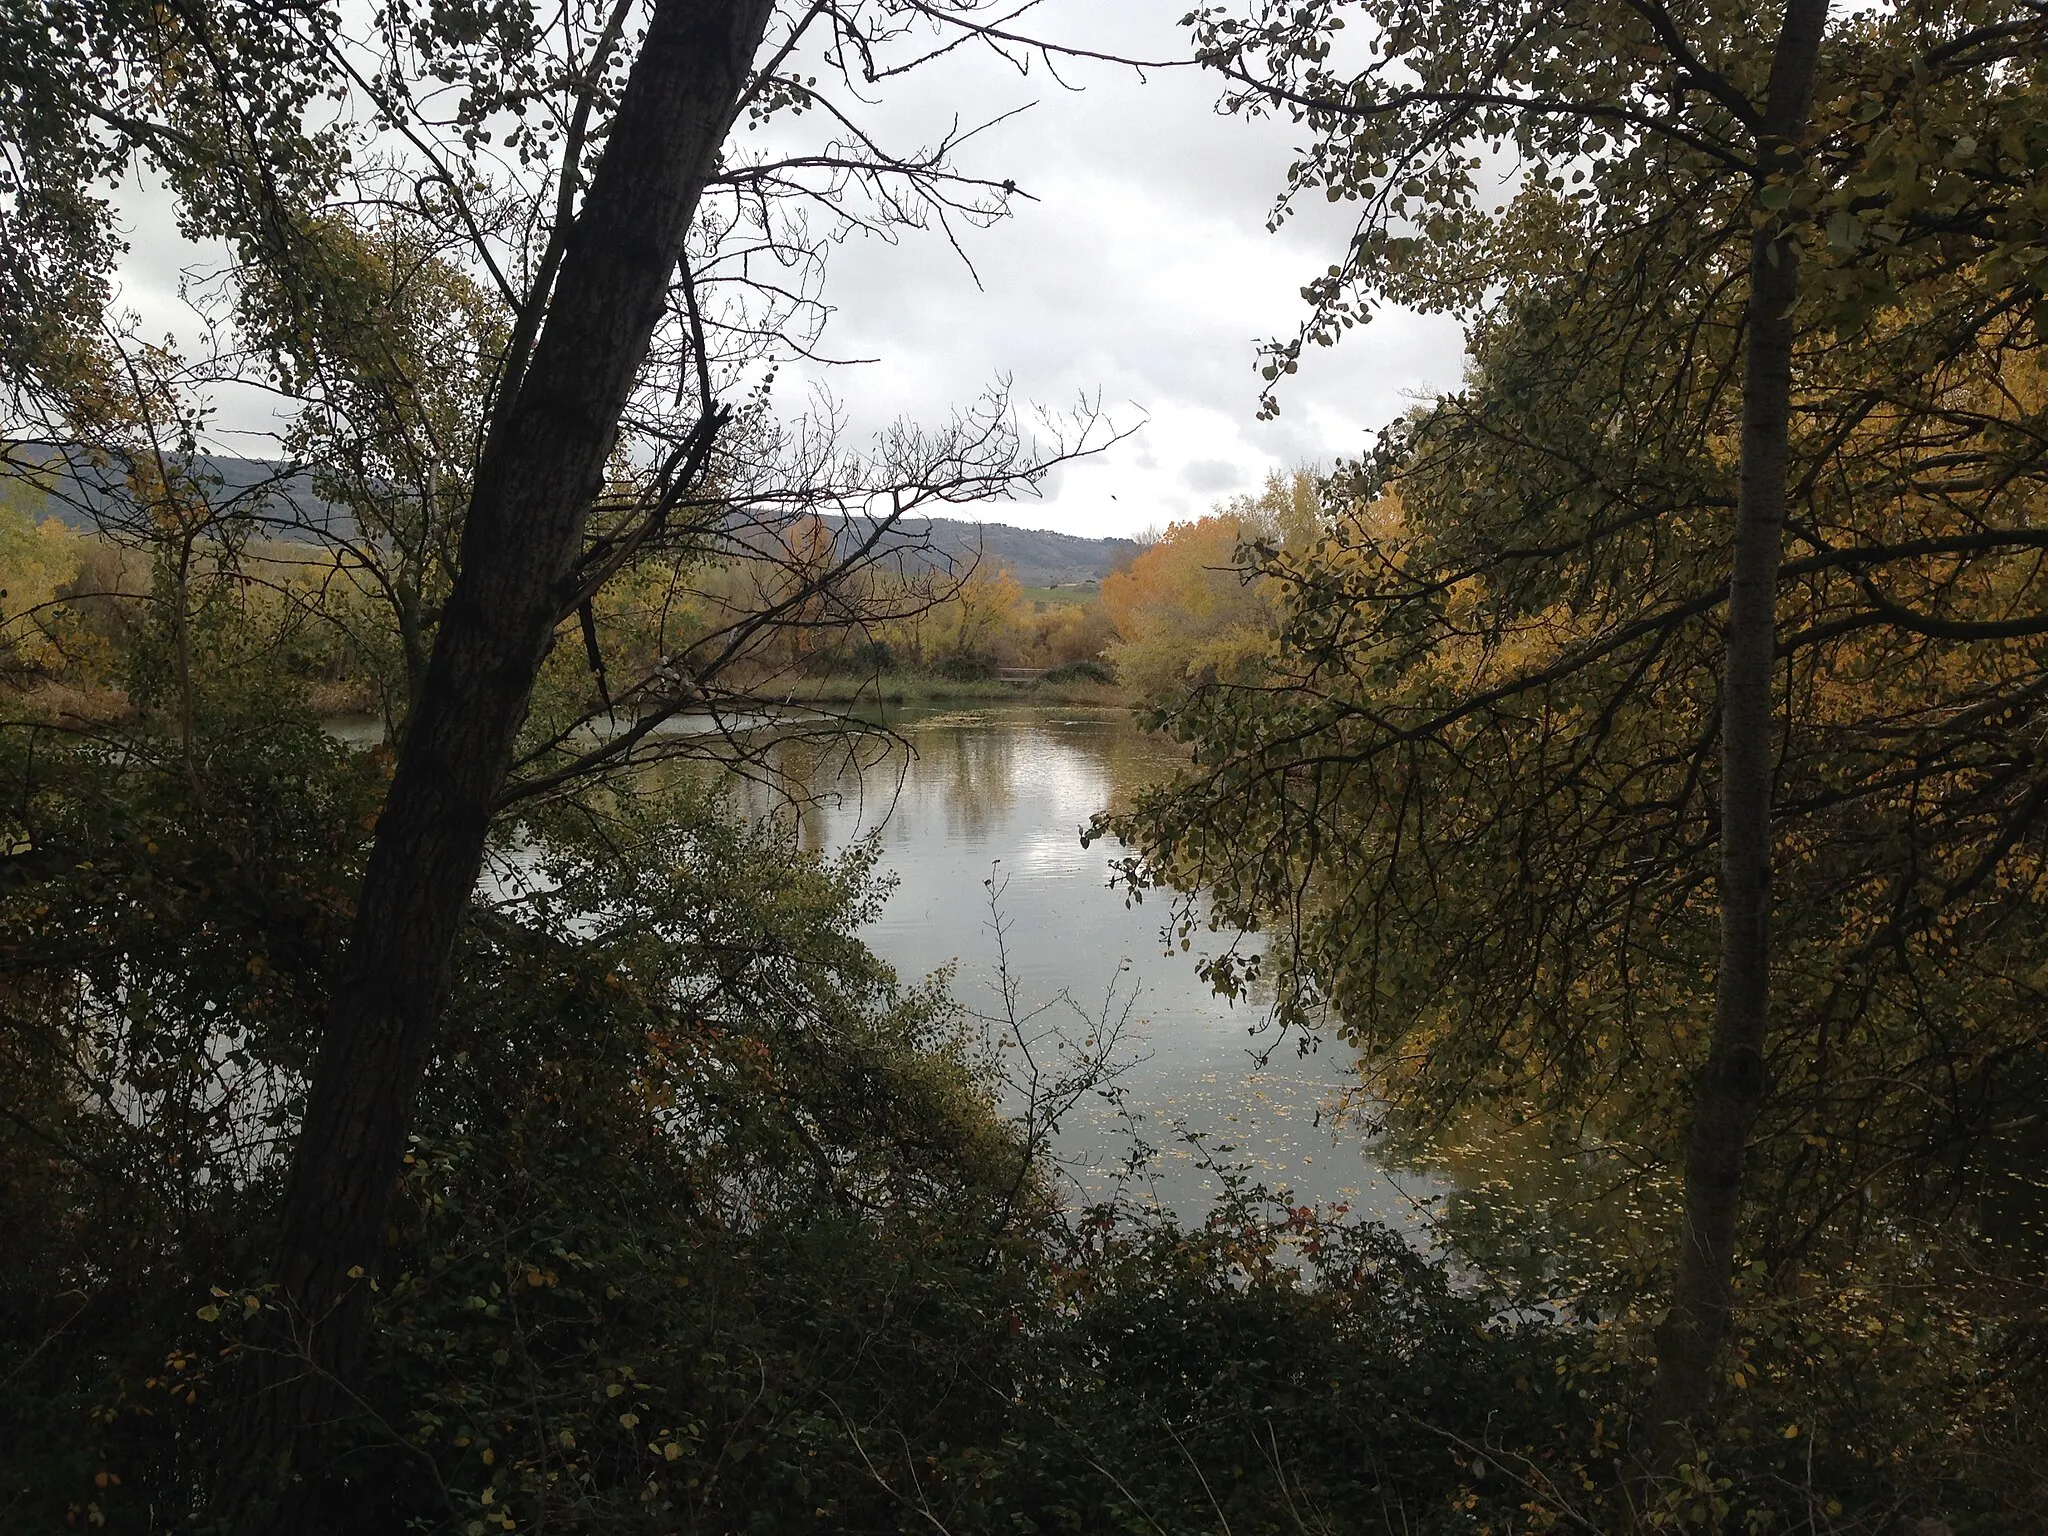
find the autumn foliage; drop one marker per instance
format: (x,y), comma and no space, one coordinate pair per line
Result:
(1191,607)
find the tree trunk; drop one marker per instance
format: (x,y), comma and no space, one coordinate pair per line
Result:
(1731,1086)
(540,471)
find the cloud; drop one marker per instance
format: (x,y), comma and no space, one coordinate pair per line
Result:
(1142,270)
(1139,272)
(1212,475)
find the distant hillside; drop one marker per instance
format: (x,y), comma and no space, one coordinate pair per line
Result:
(1034,556)
(86,491)
(83,492)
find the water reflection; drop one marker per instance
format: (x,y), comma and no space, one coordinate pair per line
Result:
(1007,791)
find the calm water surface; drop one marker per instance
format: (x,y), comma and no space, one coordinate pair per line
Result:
(998,796)
(1002,794)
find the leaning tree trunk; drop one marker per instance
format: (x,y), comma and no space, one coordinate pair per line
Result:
(1730,1088)
(542,468)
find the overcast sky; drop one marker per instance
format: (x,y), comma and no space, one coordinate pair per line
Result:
(1143,271)
(1139,269)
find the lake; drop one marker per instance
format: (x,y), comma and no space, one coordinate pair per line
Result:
(1001,794)
(990,802)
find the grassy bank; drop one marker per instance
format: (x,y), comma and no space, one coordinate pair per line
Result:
(914,688)
(103,704)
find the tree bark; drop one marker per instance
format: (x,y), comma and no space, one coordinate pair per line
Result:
(539,474)
(1730,1088)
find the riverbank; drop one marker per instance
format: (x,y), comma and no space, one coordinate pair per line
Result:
(923,688)
(95,702)
(105,705)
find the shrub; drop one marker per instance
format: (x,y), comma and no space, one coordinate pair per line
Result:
(967,667)
(1086,670)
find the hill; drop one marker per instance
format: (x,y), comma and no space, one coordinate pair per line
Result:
(1036,557)
(86,493)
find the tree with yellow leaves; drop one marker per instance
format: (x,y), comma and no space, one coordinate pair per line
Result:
(37,558)
(1670,764)
(1191,607)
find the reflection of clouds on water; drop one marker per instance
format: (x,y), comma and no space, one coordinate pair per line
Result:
(1049,853)
(1016,787)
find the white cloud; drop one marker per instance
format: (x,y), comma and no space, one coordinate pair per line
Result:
(1140,272)
(1212,475)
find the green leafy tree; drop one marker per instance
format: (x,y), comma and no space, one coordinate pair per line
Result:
(1705,205)
(214,98)
(507,362)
